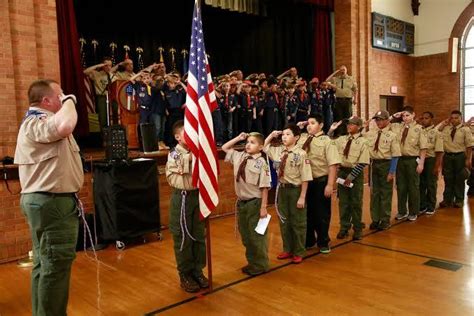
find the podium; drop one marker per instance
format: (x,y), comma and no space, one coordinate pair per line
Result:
(122,97)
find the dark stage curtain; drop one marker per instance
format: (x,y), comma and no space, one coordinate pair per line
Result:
(284,37)
(72,79)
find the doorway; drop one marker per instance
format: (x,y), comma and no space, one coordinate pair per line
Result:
(392,104)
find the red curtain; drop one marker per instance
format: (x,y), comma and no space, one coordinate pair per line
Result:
(322,43)
(72,78)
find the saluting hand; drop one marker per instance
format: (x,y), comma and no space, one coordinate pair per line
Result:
(243,136)
(275,134)
(335,125)
(397,115)
(302,124)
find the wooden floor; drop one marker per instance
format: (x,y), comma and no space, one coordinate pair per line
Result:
(384,274)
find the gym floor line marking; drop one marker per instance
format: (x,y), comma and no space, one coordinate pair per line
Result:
(200,295)
(412,254)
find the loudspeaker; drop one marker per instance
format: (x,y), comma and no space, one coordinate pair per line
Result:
(148,137)
(115,143)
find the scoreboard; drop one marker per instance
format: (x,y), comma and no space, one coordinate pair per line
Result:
(392,34)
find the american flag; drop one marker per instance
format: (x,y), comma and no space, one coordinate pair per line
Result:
(198,126)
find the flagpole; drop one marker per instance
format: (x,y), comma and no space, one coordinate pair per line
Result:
(208,253)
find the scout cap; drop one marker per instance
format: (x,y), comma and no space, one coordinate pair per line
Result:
(382,114)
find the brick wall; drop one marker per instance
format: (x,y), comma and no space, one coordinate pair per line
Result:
(388,69)
(436,89)
(28,51)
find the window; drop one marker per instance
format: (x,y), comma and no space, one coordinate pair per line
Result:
(468,73)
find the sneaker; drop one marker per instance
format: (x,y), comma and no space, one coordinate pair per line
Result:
(284,255)
(188,284)
(297,259)
(444,204)
(458,205)
(342,234)
(201,280)
(374,225)
(384,226)
(422,210)
(325,250)
(430,212)
(399,216)
(245,269)
(412,217)
(357,235)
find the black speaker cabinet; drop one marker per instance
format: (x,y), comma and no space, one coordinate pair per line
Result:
(115,143)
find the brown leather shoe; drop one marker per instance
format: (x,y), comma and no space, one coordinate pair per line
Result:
(188,284)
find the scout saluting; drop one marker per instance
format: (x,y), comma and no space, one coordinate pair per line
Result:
(413,145)
(384,149)
(354,151)
(457,159)
(294,172)
(252,181)
(185,225)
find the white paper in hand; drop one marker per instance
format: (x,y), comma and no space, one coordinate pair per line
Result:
(341,182)
(263,224)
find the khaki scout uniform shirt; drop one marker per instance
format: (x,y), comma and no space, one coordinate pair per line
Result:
(178,169)
(435,141)
(322,153)
(358,153)
(47,162)
(297,168)
(345,86)
(257,174)
(415,140)
(389,145)
(462,139)
(101,80)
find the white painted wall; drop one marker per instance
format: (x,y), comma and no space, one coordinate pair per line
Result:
(433,25)
(398,9)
